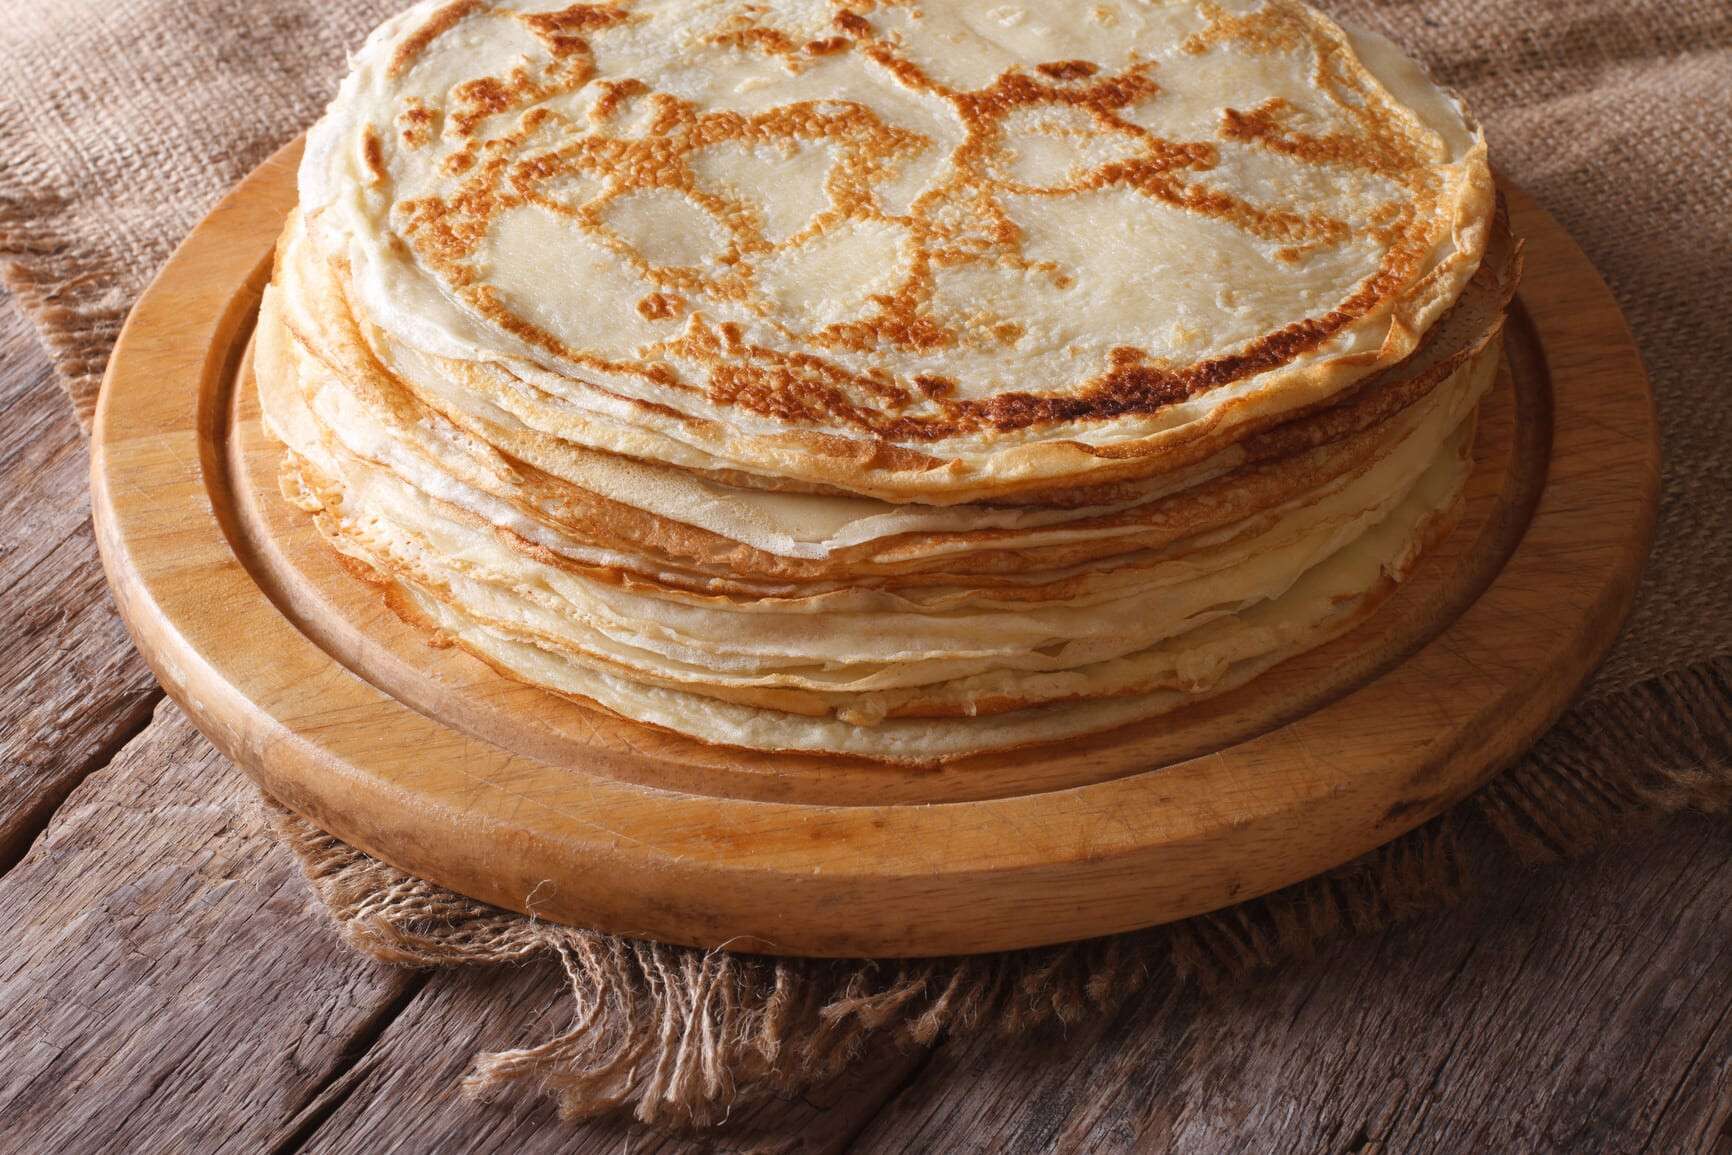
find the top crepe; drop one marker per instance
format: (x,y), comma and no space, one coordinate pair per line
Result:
(939,251)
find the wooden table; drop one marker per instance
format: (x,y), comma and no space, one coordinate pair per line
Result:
(168,984)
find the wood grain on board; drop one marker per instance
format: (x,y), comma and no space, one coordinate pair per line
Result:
(501,792)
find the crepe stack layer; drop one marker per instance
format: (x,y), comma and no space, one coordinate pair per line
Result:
(901,380)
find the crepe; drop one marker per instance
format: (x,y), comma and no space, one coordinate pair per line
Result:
(1170,372)
(934,251)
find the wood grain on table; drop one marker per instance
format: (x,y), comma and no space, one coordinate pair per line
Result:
(168,984)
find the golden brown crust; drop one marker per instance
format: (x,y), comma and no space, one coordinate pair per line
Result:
(440,22)
(804,386)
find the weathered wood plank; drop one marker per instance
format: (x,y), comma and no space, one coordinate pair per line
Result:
(74,687)
(403,1096)
(1583,1009)
(168,983)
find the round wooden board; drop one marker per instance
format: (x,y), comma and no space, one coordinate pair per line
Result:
(430,761)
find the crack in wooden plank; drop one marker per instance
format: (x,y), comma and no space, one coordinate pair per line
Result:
(350,1067)
(19,831)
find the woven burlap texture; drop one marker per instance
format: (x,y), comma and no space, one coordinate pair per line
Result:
(122,121)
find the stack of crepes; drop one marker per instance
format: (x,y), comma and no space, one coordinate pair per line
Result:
(902,379)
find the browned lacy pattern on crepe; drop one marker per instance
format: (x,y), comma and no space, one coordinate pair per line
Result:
(899,380)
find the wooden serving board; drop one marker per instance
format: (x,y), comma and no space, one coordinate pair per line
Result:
(430,761)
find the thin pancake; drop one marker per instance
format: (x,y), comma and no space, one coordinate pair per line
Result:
(585,204)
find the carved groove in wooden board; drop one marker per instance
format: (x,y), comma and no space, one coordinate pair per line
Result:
(517,797)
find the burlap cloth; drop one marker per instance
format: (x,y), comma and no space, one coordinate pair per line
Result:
(122,121)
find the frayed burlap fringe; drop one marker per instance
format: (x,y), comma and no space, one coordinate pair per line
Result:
(678,1035)
(683,1036)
